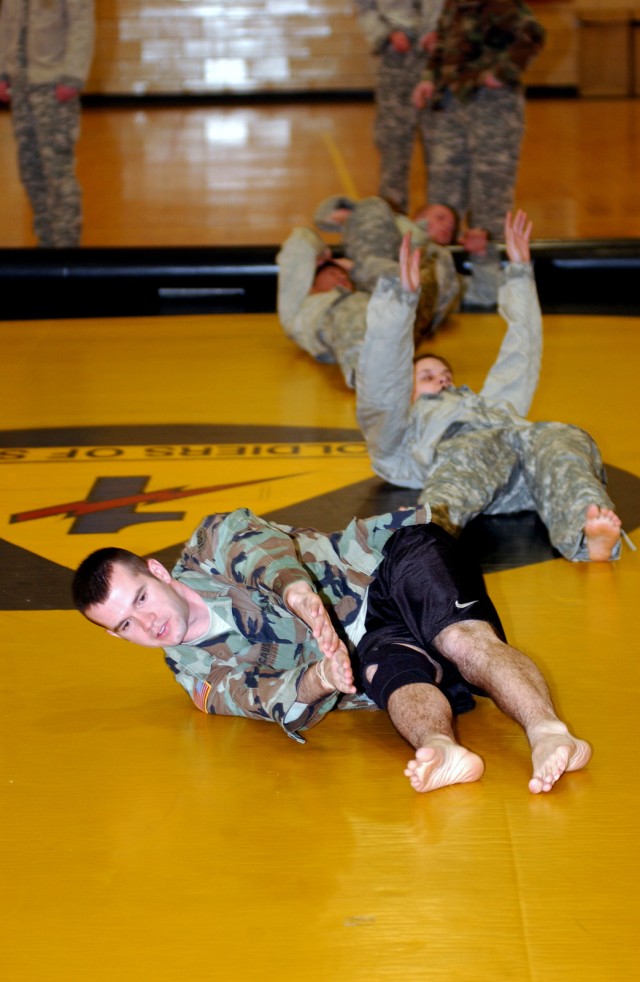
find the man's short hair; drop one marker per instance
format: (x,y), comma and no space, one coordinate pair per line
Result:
(92,580)
(324,265)
(419,355)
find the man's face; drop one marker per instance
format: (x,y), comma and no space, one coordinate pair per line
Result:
(430,376)
(330,277)
(143,608)
(440,224)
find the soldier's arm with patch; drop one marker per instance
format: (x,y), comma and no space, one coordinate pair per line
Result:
(256,692)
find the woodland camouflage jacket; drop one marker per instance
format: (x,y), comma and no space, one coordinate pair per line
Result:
(258,651)
(478,36)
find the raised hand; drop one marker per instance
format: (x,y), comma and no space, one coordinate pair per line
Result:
(409,265)
(517,232)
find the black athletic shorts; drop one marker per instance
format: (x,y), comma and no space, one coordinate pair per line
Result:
(424,584)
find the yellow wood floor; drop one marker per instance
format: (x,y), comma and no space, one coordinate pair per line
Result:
(144,840)
(244,174)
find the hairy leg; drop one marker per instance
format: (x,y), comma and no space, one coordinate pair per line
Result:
(422,715)
(518,688)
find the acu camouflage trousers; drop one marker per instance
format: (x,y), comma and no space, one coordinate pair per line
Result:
(46,134)
(396,123)
(474,151)
(554,468)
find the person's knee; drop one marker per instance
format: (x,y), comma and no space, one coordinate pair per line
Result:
(467,643)
(398,666)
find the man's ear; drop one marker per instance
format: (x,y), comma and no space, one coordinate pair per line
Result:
(157,569)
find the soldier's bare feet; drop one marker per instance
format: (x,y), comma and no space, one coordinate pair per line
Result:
(602,532)
(555,751)
(441,763)
(338,671)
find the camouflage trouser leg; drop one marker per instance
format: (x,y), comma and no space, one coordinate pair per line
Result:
(474,149)
(32,172)
(46,133)
(372,240)
(496,134)
(396,123)
(449,158)
(565,474)
(466,475)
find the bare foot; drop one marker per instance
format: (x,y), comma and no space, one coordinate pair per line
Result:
(338,671)
(441,763)
(555,751)
(602,532)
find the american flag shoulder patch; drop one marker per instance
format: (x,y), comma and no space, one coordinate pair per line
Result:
(201,692)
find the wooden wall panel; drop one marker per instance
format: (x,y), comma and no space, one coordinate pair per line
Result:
(189,47)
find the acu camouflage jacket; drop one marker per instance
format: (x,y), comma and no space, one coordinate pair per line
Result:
(258,651)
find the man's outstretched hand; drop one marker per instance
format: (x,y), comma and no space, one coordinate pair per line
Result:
(409,265)
(517,232)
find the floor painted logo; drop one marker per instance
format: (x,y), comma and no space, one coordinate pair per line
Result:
(66,492)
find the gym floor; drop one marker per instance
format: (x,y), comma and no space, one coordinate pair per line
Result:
(143,839)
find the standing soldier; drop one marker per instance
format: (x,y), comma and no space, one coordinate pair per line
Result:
(472,85)
(398,32)
(46,48)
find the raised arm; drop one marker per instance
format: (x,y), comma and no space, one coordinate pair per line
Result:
(384,379)
(515,373)
(297,264)
(409,265)
(517,232)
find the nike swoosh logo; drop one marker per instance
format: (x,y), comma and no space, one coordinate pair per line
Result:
(469,604)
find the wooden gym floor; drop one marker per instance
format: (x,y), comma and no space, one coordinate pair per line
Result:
(144,840)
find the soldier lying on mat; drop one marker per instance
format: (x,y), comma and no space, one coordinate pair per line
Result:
(472,453)
(323,301)
(262,620)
